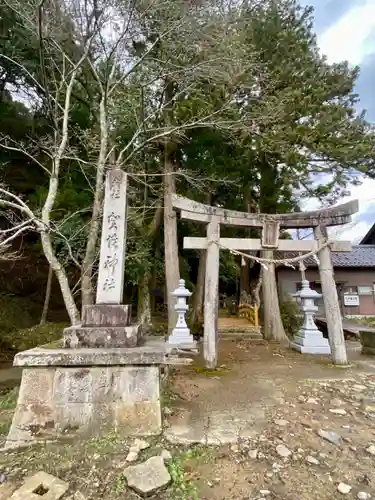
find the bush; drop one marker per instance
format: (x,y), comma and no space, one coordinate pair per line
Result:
(291,317)
(27,338)
(16,312)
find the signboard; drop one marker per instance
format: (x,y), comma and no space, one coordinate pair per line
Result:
(351,300)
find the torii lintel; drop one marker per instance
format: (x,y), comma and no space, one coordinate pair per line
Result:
(332,216)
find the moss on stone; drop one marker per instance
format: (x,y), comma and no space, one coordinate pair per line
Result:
(367,338)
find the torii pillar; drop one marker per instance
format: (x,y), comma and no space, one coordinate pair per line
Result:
(318,219)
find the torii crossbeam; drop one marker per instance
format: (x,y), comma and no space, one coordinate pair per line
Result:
(319,220)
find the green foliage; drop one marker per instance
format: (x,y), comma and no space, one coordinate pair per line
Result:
(16,313)
(17,340)
(259,119)
(291,317)
(182,488)
(120,484)
(8,401)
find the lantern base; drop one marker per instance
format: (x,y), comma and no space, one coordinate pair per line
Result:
(311,342)
(181,336)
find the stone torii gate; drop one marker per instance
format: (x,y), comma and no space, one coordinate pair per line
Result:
(270,224)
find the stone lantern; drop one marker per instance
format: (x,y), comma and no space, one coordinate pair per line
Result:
(310,340)
(180,335)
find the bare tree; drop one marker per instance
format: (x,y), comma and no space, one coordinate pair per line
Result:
(149,71)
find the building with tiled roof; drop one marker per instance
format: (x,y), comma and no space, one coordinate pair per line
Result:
(354,276)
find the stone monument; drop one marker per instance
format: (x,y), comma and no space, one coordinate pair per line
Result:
(103,377)
(309,339)
(108,322)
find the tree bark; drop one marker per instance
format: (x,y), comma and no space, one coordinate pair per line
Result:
(269,195)
(144,301)
(94,228)
(61,278)
(273,327)
(144,312)
(256,291)
(47,297)
(244,276)
(197,303)
(172,271)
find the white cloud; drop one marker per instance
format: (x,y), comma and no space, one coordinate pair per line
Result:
(354,231)
(350,39)
(345,40)
(365,194)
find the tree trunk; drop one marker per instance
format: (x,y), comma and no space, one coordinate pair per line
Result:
(144,301)
(269,195)
(47,297)
(61,278)
(154,281)
(172,271)
(94,228)
(273,326)
(244,277)
(256,291)
(197,304)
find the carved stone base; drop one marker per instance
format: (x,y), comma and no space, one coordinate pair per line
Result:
(72,392)
(181,336)
(107,315)
(102,336)
(311,342)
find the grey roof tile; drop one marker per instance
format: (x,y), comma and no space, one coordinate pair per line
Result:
(360,256)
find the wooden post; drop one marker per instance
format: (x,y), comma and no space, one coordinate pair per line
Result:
(331,302)
(211,294)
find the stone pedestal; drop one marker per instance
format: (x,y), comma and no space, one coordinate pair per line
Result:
(70,391)
(104,325)
(309,339)
(367,338)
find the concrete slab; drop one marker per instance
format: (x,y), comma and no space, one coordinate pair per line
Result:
(41,485)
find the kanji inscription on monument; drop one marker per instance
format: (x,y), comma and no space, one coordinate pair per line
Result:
(113,241)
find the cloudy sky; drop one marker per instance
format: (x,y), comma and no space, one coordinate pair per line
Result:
(346,31)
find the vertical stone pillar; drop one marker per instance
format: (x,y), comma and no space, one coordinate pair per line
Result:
(113,241)
(211,294)
(331,301)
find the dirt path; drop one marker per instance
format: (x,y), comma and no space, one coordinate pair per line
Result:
(281,398)
(258,420)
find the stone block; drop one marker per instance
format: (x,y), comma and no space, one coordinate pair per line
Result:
(142,418)
(83,399)
(311,342)
(153,354)
(37,386)
(368,350)
(107,315)
(82,384)
(148,477)
(106,336)
(136,384)
(41,485)
(34,415)
(6,489)
(368,341)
